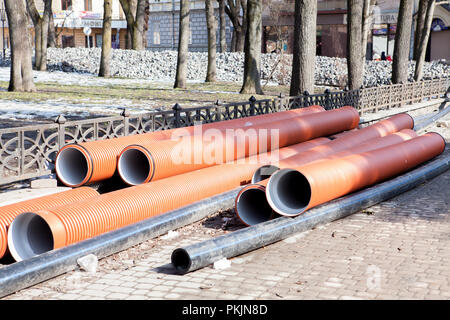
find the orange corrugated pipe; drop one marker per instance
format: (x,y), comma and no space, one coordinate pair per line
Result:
(89,162)
(61,226)
(292,191)
(143,163)
(345,141)
(9,212)
(251,205)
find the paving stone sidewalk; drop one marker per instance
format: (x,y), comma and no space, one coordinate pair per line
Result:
(398,249)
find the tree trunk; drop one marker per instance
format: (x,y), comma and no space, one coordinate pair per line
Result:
(105,61)
(212,47)
(138,29)
(418,74)
(252,62)
(44,34)
(183,46)
(366,23)
(304,55)
(402,42)
(135,13)
(21,78)
(223,35)
(354,32)
(421,13)
(232,9)
(233,41)
(240,44)
(41,27)
(51,31)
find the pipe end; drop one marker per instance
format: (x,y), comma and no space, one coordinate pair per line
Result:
(288,192)
(181,260)
(73,165)
(251,205)
(135,165)
(31,234)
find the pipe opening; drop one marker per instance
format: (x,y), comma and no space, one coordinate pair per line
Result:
(29,235)
(71,166)
(288,192)
(263,173)
(252,206)
(134,166)
(181,260)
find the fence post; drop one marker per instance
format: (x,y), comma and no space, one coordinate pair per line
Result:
(327,103)
(305,98)
(218,103)
(61,120)
(177,110)
(252,105)
(126,121)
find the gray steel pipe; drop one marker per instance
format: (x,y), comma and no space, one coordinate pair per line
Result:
(201,254)
(31,271)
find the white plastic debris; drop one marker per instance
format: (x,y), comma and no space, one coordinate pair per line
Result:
(88,263)
(170,235)
(222,264)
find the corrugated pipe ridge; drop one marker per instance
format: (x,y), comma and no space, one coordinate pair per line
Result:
(343,142)
(143,163)
(293,191)
(9,212)
(251,204)
(64,225)
(89,162)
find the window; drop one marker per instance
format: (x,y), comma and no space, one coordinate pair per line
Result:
(87,5)
(66,4)
(68,41)
(156,34)
(98,40)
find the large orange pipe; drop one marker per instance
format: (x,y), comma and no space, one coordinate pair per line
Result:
(9,212)
(251,205)
(58,227)
(292,191)
(345,141)
(89,162)
(142,163)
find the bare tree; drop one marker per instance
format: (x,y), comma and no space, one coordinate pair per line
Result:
(402,42)
(21,78)
(420,20)
(211,24)
(51,31)
(366,27)
(105,60)
(233,10)
(183,45)
(223,35)
(41,26)
(354,36)
(304,55)
(418,73)
(135,16)
(252,48)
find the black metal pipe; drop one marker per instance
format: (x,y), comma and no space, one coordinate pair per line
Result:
(431,119)
(28,272)
(201,254)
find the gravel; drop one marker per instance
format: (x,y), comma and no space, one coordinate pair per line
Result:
(161,66)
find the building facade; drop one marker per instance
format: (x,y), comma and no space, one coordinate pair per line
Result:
(278,29)
(164,20)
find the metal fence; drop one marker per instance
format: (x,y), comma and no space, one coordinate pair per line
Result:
(29,152)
